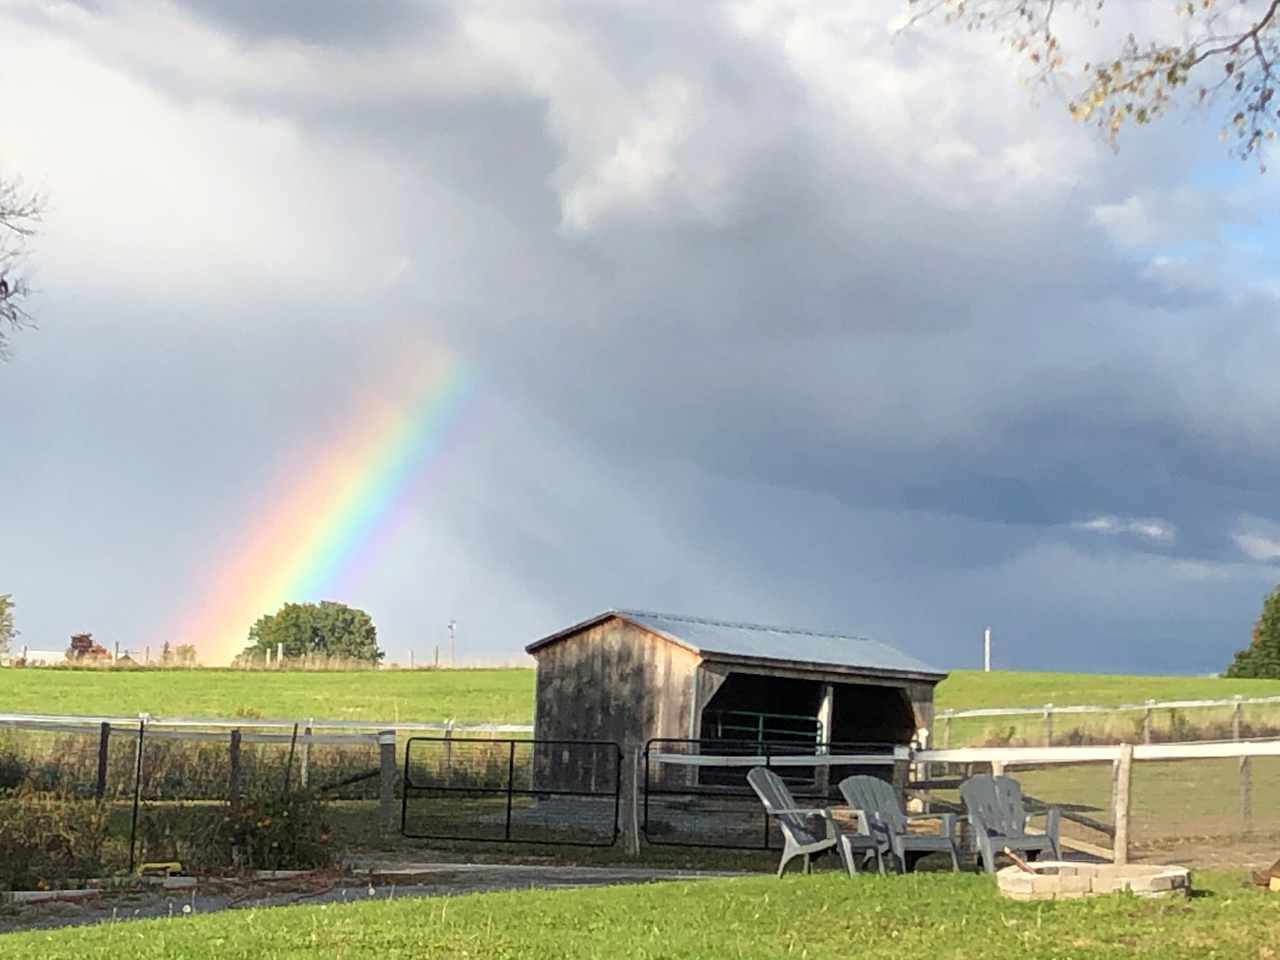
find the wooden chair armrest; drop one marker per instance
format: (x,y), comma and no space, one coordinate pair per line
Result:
(803,811)
(948,821)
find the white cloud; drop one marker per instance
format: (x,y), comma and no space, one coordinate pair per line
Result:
(162,198)
(1258,538)
(1257,546)
(1148,528)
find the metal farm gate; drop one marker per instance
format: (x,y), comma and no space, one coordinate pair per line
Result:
(564,792)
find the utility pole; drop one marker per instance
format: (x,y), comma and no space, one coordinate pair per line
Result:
(453,657)
(986,651)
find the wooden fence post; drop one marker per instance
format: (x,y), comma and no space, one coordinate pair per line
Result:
(104,738)
(234,785)
(1048,724)
(1146,722)
(387,780)
(636,780)
(1246,774)
(304,772)
(1123,779)
(946,730)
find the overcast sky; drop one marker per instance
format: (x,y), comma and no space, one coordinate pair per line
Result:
(763,314)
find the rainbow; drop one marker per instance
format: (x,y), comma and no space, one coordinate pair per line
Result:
(324,512)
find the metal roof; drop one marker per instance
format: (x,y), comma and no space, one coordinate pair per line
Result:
(713,639)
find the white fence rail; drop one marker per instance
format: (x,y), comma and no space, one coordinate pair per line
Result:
(252,730)
(1049,711)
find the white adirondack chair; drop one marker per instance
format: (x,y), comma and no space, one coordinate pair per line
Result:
(805,830)
(999,820)
(878,801)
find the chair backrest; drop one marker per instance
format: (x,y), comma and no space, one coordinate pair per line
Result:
(775,796)
(997,801)
(877,799)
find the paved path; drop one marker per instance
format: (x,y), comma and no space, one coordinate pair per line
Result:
(364,879)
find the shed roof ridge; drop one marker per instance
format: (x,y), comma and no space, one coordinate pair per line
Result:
(742,625)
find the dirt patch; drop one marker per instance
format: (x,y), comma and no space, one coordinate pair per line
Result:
(1215,853)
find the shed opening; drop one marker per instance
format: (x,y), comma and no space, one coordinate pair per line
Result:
(777,711)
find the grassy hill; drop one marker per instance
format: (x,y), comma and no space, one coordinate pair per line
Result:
(971,689)
(498,695)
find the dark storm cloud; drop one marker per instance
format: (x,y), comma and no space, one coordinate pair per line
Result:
(327,22)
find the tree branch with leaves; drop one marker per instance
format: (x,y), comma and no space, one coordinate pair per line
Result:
(20,212)
(1228,58)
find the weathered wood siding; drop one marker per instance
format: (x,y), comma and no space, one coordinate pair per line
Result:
(615,682)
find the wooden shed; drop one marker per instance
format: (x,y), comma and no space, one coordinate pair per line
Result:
(632,676)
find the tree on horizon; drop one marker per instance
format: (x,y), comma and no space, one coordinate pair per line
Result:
(1262,657)
(327,629)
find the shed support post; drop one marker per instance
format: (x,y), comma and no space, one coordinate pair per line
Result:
(822,772)
(387,780)
(1123,773)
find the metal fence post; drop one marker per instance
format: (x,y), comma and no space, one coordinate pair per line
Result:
(387,780)
(511,780)
(104,739)
(137,794)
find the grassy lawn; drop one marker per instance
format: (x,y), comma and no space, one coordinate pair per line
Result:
(468,696)
(827,915)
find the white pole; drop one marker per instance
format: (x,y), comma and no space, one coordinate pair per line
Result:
(986,651)
(453,659)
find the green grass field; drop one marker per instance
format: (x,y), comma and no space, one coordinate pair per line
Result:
(498,695)
(468,696)
(971,689)
(827,915)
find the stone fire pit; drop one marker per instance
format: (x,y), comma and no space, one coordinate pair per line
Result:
(1055,880)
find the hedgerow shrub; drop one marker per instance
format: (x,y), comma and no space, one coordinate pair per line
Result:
(47,840)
